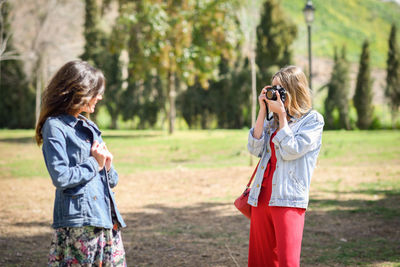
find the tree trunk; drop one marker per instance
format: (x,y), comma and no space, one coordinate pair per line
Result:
(39,85)
(253,90)
(114,120)
(254,93)
(394,114)
(171,98)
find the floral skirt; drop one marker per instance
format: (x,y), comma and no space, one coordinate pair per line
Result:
(87,246)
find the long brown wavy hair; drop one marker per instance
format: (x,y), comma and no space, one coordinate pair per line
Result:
(298,95)
(70,89)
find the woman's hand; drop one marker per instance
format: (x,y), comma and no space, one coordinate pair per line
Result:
(99,153)
(277,105)
(109,158)
(258,128)
(262,98)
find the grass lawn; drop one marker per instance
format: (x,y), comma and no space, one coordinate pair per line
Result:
(176,193)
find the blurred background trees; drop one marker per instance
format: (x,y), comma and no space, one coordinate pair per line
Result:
(363,95)
(393,74)
(201,62)
(17,99)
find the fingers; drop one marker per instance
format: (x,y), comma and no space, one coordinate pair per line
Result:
(278,96)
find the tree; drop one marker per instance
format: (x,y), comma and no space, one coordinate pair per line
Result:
(248,20)
(392,91)
(92,33)
(181,41)
(17,100)
(113,74)
(338,90)
(275,35)
(363,95)
(5,52)
(95,49)
(103,50)
(227,99)
(231,94)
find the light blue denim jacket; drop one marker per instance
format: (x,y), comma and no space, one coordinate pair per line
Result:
(83,194)
(296,147)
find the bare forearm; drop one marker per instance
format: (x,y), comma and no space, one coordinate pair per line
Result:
(259,127)
(282,120)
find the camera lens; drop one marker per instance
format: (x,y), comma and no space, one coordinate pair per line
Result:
(271,94)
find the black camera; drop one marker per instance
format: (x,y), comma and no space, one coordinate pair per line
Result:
(271,93)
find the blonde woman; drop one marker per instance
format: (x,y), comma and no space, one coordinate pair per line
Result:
(288,144)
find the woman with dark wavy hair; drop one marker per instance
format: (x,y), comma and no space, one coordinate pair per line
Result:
(85,217)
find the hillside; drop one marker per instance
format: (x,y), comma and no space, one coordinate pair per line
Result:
(348,22)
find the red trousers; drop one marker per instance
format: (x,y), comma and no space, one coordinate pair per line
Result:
(275,232)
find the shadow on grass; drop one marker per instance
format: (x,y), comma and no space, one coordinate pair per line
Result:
(337,233)
(18,140)
(130,136)
(353,232)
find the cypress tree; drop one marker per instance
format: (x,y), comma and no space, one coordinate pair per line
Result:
(275,34)
(91,33)
(342,96)
(363,95)
(17,100)
(338,90)
(329,103)
(392,91)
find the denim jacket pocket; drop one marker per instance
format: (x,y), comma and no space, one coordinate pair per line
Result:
(296,182)
(73,205)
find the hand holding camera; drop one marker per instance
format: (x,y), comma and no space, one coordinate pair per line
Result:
(274,97)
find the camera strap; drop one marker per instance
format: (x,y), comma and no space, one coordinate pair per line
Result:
(267,115)
(270,117)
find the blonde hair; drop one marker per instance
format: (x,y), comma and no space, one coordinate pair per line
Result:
(298,95)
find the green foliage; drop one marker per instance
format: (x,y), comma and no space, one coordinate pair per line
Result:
(113,93)
(363,96)
(227,99)
(196,106)
(102,49)
(275,35)
(338,91)
(17,99)
(143,100)
(392,91)
(230,96)
(92,33)
(345,22)
(179,41)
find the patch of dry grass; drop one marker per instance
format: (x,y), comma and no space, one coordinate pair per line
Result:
(184,216)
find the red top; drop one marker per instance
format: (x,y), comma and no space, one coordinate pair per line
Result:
(269,171)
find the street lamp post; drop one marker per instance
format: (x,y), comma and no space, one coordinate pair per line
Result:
(309,17)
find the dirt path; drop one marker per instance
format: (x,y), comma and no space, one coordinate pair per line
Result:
(185,217)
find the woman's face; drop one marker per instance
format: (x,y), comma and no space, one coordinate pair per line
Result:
(89,108)
(276,81)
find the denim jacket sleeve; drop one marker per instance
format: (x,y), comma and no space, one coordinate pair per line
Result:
(293,145)
(112,177)
(254,145)
(57,161)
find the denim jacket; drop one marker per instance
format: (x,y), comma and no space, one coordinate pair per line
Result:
(83,193)
(297,146)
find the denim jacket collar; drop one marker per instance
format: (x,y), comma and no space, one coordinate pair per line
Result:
(69,119)
(72,121)
(89,122)
(294,119)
